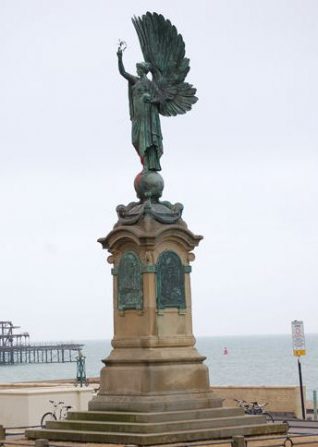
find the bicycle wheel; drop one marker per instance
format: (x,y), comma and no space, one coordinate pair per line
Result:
(46,418)
(268,416)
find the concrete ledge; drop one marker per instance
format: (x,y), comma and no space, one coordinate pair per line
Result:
(22,407)
(281,399)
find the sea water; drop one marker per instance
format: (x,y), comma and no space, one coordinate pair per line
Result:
(250,360)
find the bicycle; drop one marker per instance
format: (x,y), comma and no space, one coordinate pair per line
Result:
(59,412)
(254,408)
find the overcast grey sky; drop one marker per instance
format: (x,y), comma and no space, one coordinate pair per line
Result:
(243,162)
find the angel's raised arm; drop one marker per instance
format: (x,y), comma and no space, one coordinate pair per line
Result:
(130,78)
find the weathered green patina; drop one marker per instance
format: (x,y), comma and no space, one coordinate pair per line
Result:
(170,281)
(130,294)
(81,370)
(165,94)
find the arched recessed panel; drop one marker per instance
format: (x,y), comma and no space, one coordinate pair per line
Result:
(170,281)
(130,294)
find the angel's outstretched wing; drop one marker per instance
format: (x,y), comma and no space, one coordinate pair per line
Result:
(163,48)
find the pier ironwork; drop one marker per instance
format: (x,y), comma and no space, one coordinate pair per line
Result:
(15,348)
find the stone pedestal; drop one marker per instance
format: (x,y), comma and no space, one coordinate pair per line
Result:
(154,365)
(154,387)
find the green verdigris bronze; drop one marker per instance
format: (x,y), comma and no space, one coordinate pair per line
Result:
(130,294)
(167,94)
(80,370)
(170,281)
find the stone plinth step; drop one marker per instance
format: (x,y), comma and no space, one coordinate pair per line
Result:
(157,438)
(123,416)
(155,427)
(154,403)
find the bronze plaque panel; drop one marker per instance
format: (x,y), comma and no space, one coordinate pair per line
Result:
(130,294)
(170,281)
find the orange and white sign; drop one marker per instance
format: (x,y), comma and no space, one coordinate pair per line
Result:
(298,338)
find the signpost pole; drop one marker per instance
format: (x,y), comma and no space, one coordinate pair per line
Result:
(299,349)
(301,390)
(315,404)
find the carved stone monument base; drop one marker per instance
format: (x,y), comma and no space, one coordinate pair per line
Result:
(154,365)
(154,387)
(157,379)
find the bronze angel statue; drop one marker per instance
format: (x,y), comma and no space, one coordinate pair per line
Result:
(165,94)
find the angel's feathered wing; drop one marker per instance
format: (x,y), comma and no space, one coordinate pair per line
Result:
(163,48)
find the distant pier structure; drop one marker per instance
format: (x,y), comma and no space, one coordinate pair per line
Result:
(16,348)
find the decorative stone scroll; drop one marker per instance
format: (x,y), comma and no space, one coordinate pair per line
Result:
(130,294)
(170,281)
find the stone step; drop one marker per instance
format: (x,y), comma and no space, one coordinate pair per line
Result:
(158,438)
(155,427)
(123,416)
(154,403)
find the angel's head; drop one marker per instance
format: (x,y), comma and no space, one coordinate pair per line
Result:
(142,68)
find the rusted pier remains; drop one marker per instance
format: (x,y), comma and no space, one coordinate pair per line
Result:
(15,348)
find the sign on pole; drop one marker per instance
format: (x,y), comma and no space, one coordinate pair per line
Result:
(298,338)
